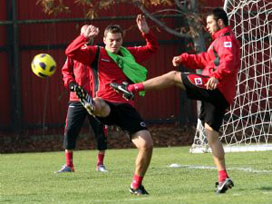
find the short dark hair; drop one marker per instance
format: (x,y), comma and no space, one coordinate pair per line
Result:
(113,29)
(219,13)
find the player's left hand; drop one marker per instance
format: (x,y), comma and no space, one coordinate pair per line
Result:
(142,24)
(212,83)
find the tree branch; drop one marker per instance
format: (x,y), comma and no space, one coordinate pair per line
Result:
(179,5)
(159,23)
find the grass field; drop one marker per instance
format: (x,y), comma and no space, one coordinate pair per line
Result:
(29,178)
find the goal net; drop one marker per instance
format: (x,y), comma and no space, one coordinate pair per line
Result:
(247,125)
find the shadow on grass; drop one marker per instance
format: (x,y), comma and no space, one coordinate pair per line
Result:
(266,188)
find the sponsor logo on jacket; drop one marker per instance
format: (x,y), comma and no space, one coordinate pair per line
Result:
(227,44)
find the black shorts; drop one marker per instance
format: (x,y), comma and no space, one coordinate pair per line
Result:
(213,103)
(75,118)
(125,116)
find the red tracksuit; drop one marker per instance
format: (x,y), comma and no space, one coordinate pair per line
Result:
(108,71)
(74,71)
(226,48)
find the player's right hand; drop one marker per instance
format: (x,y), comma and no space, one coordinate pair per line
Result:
(90,31)
(212,83)
(176,61)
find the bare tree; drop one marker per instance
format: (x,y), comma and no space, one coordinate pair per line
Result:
(184,9)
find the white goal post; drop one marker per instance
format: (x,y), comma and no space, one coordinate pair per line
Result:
(247,125)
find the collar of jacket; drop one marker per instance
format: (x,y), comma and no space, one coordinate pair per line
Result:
(221,32)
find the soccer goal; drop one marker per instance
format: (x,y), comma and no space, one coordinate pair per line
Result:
(248,123)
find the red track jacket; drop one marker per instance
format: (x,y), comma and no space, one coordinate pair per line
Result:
(74,71)
(222,61)
(108,71)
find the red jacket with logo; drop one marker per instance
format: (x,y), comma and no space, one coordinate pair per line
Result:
(74,71)
(221,60)
(108,71)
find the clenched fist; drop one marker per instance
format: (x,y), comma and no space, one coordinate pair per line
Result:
(89,31)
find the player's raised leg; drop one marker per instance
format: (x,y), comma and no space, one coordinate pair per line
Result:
(172,78)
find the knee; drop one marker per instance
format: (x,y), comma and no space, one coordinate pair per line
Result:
(101,108)
(146,147)
(174,77)
(98,104)
(147,143)
(212,139)
(172,74)
(143,140)
(212,135)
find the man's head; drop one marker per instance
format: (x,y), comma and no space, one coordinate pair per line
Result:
(216,20)
(113,38)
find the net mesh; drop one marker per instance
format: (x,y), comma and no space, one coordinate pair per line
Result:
(248,123)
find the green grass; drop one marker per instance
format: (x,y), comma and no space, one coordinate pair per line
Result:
(29,178)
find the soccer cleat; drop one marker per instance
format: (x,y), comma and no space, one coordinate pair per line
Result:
(65,169)
(85,99)
(139,191)
(128,95)
(222,187)
(101,168)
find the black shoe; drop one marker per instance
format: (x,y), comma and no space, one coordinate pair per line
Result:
(139,191)
(85,99)
(222,187)
(128,95)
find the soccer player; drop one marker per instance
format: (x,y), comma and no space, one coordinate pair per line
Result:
(77,74)
(215,87)
(117,64)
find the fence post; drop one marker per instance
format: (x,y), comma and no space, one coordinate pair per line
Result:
(14,72)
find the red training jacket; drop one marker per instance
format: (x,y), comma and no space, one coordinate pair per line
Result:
(222,61)
(74,71)
(108,71)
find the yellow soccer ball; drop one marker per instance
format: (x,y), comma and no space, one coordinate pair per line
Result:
(43,65)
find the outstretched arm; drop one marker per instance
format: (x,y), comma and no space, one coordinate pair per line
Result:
(142,53)
(192,61)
